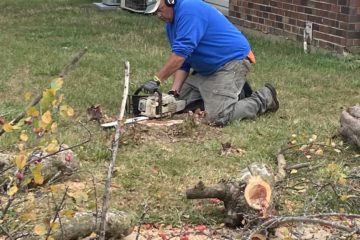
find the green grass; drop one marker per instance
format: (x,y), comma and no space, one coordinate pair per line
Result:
(37,39)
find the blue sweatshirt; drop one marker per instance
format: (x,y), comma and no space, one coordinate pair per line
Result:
(204,37)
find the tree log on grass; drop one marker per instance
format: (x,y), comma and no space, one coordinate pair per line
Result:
(350,124)
(118,225)
(246,198)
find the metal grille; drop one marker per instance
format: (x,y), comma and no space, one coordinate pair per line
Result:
(138,5)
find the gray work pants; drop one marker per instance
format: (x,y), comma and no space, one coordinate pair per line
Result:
(220,93)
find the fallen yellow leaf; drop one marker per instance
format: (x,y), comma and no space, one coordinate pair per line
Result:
(57,83)
(12,190)
(30,216)
(54,127)
(27,96)
(24,137)
(40,229)
(46,117)
(31,111)
(8,128)
(20,161)
(55,226)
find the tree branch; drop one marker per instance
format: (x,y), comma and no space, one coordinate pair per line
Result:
(114,148)
(276,221)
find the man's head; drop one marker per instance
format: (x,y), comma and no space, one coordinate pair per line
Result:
(162,8)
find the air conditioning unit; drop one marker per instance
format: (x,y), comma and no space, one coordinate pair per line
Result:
(111,2)
(138,6)
(108,4)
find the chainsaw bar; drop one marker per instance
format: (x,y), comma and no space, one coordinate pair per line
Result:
(127,121)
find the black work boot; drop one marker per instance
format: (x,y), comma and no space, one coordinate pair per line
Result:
(274,106)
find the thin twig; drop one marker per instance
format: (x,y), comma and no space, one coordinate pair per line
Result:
(141,221)
(72,63)
(21,226)
(95,196)
(114,148)
(8,204)
(6,232)
(340,215)
(298,166)
(58,209)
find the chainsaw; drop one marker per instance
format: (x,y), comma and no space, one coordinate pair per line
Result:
(152,106)
(156,105)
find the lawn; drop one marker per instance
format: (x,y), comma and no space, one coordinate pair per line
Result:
(38,38)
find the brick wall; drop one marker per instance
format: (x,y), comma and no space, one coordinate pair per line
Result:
(336,23)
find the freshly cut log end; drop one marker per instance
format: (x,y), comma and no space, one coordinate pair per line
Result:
(258,193)
(258,236)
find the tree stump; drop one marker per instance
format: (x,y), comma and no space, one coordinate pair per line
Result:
(245,199)
(350,124)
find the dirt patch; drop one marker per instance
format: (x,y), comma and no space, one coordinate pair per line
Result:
(182,127)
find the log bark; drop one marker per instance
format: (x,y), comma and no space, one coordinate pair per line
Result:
(350,124)
(118,225)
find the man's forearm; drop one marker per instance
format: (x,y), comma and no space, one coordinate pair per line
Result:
(172,64)
(179,79)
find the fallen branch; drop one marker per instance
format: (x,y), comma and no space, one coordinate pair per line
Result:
(38,97)
(114,149)
(245,199)
(276,221)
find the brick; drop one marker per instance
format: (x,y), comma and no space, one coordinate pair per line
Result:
(354,3)
(308,10)
(345,10)
(353,11)
(323,6)
(334,21)
(357,27)
(355,35)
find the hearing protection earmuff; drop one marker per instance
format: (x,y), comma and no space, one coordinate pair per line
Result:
(170,3)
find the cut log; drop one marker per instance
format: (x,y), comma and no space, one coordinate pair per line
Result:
(118,225)
(245,198)
(350,124)
(258,193)
(258,236)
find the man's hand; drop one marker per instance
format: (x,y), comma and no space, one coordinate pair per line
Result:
(174,93)
(152,85)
